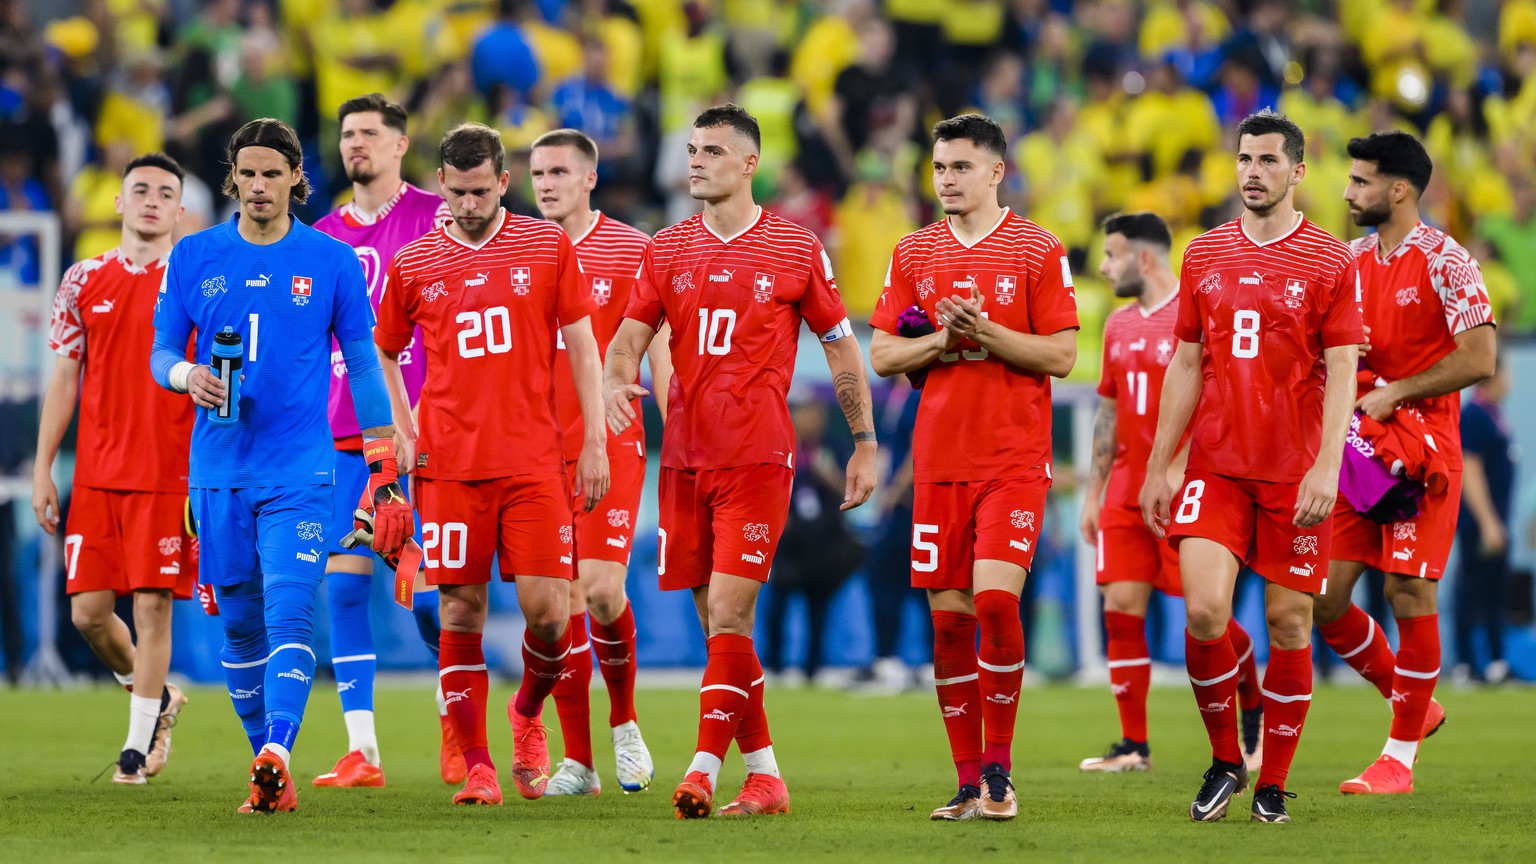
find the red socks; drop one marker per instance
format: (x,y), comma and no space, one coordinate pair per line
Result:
(752,733)
(1418,668)
(955,682)
(1247,669)
(1001,671)
(1359,641)
(728,677)
(614,645)
(461,672)
(1130,671)
(1213,675)
(543,663)
(573,695)
(1287,696)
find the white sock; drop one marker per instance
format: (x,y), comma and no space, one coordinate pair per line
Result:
(142,714)
(1402,751)
(442,704)
(361,735)
(280,751)
(125,680)
(709,764)
(761,762)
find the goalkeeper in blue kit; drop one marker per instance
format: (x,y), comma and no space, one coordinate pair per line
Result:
(274,291)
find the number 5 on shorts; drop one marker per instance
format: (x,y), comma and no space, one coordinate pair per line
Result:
(1189,510)
(928,546)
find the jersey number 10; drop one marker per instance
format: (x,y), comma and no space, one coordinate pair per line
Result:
(715,327)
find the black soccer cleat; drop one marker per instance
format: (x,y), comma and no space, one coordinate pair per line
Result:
(1269,804)
(1253,727)
(1222,781)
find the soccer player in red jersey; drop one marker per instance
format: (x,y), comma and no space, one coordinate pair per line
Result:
(1431,333)
(1138,345)
(1268,329)
(563,168)
(1000,291)
(734,283)
(489,292)
(126,532)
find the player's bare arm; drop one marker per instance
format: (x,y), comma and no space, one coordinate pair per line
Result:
(58,408)
(1098,468)
(1181,393)
(659,355)
(1470,362)
(586,371)
(1054,354)
(404,430)
(846,363)
(619,371)
(893,355)
(1320,486)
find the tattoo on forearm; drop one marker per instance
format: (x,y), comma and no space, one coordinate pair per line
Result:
(1103,443)
(847,386)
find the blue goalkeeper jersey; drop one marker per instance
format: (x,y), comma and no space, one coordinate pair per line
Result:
(286,300)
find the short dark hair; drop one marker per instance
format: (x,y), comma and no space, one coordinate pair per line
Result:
(157,160)
(468,145)
(1396,154)
(1270,122)
(275,135)
(391,113)
(979,129)
(1143,227)
(732,115)
(576,138)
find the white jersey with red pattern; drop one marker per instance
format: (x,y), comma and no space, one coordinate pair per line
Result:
(1417,299)
(1138,344)
(610,253)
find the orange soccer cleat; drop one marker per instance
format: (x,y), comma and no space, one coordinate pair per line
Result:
(530,753)
(271,788)
(761,795)
(695,796)
(450,762)
(1434,718)
(1386,776)
(353,771)
(480,788)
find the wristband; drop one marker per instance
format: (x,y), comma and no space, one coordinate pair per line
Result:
(179,375)
(861,437)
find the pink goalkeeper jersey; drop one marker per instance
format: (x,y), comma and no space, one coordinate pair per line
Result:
(376,238)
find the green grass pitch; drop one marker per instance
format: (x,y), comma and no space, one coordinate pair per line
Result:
(863,774)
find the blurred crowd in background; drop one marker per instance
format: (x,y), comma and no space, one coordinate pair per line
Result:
(1108,105)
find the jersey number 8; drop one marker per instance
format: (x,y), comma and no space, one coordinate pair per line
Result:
(1245,334)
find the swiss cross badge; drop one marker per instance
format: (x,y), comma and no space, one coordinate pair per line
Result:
(303,287)
(522,281)
(1005,289)
(762,287)
(602,291)
(1295,293)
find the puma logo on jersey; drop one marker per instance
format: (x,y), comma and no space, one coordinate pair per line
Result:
(311,556)
(1408,295)
(755,559)
(480,279)
(1402,555)
(262,280)
(617,542)
(722,276)
(965,284)
(1021,545)
(1139,345)
(1304,571)
(1256,279)
(103,307)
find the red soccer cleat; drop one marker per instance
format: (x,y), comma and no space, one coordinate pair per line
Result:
(450,762)
(761,795)
(530,753)
(271,788)
(1434,718)
(480,788)
(695,797)
(353,771)
(1386,776)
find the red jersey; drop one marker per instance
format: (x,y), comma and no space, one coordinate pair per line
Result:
(1416,300)
(1265,313)
(610,254)
(981,418)
(134,435)
(488,316)
(1138,344)
(735,305)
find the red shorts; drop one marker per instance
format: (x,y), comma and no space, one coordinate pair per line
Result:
(608,532)
(1252,519)
(1128,552)
(954,525)
(524,522)
(726,520)
(1414,547)
(129,541)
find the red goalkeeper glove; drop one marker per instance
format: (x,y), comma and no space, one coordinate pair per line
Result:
(384,500)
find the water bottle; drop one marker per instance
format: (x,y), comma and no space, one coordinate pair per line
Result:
(228,355)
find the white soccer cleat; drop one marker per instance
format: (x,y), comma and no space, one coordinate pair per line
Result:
(632,759)
(573,778)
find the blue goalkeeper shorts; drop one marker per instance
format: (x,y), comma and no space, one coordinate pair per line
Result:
(245,533)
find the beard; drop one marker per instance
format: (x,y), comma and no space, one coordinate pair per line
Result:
(1266,205)
(362,173)
(1370,217)
(1130,286)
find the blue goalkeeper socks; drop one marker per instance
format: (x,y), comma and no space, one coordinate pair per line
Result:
(290,610)
(352,651)
(428,624)
(244,656)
